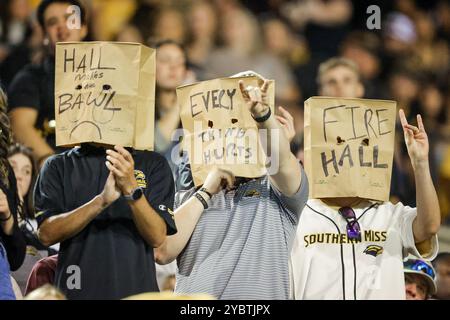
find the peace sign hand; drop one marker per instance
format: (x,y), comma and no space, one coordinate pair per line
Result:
(256,98)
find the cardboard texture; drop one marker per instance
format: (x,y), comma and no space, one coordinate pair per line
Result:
(219,129)
(105,93)
(349,147)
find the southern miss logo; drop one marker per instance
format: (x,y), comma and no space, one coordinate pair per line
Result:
(140,178)
(373,250)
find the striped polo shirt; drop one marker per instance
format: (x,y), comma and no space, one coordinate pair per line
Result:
(241,244)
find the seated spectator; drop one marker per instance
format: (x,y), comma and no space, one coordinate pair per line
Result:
(12,242)
(168,24)
(31,93)
(243,50)
(17,291)
(15,35)
(22,162)
(171,71)
(169,283)
(442,267)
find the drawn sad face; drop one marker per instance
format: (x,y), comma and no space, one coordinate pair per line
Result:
(95,109)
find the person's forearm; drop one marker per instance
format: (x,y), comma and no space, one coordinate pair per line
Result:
(287,177)
(15,246)
(30,137)
(186,218)
(149,224)
(66,225)
(428,218)
(8,225)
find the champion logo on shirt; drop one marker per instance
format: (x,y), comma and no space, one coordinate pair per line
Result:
(140,178)
(164,208)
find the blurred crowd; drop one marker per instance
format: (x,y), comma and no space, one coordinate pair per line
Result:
(406,60)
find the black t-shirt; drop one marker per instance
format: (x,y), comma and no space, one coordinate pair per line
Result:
(34,87)
(113,260)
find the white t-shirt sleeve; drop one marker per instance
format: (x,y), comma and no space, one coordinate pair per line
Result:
(406,219)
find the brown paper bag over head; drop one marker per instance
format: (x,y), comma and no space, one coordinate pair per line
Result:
(219,129)
(349,147)
(105,94)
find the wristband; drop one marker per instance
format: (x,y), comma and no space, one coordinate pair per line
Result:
(202,200)
(263,118)
(206,191)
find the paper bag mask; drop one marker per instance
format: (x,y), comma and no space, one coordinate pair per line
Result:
(105,93)
(349,147)
(219,130)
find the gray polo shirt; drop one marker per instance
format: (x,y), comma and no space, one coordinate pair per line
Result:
(241,244)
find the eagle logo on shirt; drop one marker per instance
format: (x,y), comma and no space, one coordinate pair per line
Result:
(140,178)
(373,250)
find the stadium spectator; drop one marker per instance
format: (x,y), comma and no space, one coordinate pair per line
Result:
(407,229)
(221,246)
(22,162)
(442,266)
(31,93)
(419,279)
(12,242)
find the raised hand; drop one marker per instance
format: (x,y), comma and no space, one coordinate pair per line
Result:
(416,139)
(256,98)
(287,123)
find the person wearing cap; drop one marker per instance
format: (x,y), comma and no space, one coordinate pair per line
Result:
(419,279)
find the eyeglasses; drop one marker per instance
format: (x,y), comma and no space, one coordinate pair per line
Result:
(419,265)
(353,228)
